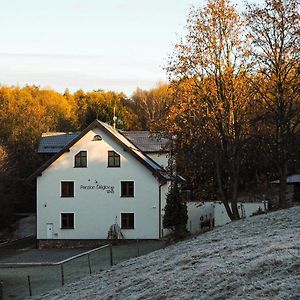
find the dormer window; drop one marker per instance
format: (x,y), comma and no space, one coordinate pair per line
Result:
(113,159)
(80,160)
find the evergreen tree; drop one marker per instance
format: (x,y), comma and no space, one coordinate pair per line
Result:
(175,217)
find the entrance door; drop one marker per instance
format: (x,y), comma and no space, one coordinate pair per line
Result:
(49,231)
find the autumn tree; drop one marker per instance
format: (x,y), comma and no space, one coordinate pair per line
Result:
(21,122)
(213,56)
(191,147)
(27,112)
(101,105)
(151,106)
(7,201)
(274,32)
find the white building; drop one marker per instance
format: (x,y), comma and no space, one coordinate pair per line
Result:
(98,178)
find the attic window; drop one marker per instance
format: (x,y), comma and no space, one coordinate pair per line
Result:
(97,137)
(80,160)
(113,159)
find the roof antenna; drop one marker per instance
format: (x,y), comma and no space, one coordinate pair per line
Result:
(114,118)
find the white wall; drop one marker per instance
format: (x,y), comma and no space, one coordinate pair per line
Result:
(95,209)
(160,158)
(196,210)
(216,210)
(222,218)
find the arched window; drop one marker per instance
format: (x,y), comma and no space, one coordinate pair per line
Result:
(97,137)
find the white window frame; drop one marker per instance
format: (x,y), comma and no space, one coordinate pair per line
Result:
(134,193)
(66,180)
(60,217)
(134,222)
(87,159)
(112,150)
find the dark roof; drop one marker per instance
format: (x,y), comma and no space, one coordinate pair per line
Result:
(293,178)
(156,169)
(53,142)
(147,142)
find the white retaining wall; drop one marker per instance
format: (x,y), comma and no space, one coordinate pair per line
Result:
(196,210)
(222,218)
(201,211)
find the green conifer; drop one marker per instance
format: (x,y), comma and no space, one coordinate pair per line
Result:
(175,217)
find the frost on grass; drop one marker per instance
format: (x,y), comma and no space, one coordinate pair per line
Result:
(258,258)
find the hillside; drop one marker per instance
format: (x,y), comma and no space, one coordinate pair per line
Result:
(258,258)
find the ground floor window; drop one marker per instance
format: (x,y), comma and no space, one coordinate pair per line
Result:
(127,220)
(67,221)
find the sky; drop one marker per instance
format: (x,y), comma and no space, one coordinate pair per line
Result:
(89,44)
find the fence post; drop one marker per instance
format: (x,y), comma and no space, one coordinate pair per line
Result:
(29,285)
(62,274)
(89,262)
(111,255)
(1,290)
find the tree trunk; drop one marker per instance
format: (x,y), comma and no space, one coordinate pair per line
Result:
(235,183)
(283,201)
(232,210)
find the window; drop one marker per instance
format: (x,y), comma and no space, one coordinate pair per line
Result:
(127,220)
(81,160)
(97,137)
(127,189)
(67,189)
(113,159)
(67,221)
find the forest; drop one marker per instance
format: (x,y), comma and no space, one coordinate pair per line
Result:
(231,108)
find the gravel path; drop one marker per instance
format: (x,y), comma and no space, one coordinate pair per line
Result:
(23,251)
(41,256)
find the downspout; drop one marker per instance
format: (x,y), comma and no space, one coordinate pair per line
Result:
(159,210)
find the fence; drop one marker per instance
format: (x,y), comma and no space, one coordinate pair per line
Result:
(20,280)
(26,279)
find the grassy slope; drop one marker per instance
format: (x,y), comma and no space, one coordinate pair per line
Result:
(258,258)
